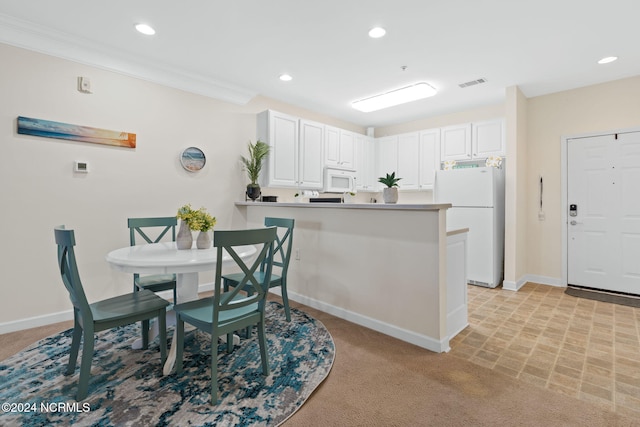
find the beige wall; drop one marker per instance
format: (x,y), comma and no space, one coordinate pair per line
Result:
(39,190)
(471,115)
(608,106)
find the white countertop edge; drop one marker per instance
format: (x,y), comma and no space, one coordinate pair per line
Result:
(380,206)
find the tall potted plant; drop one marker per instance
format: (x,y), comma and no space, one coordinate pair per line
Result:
(390,192)
(253,166)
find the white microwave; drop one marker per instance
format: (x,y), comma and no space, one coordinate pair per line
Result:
(339,180)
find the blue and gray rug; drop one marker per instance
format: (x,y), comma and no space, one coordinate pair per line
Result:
(127,386)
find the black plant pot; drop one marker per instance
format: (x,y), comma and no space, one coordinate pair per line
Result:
(253,191)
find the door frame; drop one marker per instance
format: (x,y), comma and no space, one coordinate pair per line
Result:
(564,161)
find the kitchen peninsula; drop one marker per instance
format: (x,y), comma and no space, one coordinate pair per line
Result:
(391,268)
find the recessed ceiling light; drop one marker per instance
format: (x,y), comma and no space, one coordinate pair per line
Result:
(607,59)
(395,97)
(285,77)
(377,32)
(145,29)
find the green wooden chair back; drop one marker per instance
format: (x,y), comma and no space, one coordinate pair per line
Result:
(65,239)
(228,241)
(142,227)
(283,243)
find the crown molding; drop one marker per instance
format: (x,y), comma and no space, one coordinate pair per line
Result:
(37,38)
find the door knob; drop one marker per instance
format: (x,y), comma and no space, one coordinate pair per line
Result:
(574,222)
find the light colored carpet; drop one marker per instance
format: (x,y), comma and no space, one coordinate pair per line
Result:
(377,380)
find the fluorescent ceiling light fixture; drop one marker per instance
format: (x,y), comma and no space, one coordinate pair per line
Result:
(607,59)
(145,29)
(285,77)
(377,32)
(395,97)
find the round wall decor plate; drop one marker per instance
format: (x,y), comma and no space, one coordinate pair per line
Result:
(193,159)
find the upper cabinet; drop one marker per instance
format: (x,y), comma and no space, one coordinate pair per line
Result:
(365,163)
(455,143)
(280,131)
(296,150)
(301,149)
(473,141)
(429,158)
(409,160)
(386,157)
(413,156)
(340,148)
(311,153)
(488,139)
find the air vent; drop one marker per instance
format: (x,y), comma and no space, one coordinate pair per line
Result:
(472,83)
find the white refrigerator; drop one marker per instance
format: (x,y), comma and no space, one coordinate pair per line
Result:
(477,199)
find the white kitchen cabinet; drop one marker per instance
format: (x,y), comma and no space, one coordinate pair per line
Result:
(488,139)
(332,146)
(473,141)
(429,158)
(386,158)
(280,131)
(296,150)
(455,142)
(347,149)
(409,161)
(365,163)
(340,148)
(311,149)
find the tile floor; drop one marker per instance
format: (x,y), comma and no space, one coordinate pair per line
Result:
(583,348)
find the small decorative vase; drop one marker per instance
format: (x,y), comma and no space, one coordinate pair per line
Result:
(253,191)
(390,194)
(204,240)
(184,239)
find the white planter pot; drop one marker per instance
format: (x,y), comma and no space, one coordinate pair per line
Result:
(390,194)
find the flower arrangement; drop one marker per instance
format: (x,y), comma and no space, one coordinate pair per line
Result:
(197,220)
(202,221)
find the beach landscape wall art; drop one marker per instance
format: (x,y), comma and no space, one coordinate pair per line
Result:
(49,129)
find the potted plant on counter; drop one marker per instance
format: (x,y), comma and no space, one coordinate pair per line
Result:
(390,193)
(253,166)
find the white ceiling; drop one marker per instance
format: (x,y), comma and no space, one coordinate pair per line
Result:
(235,50)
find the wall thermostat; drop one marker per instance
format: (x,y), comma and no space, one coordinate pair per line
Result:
(81,167)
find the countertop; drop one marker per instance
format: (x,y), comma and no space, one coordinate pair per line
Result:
(379,206)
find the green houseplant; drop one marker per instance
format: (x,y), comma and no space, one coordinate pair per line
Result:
(253,166)
(390,192)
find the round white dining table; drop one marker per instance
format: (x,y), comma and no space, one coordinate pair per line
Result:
(166,258)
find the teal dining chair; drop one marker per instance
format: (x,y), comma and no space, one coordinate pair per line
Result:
(226,312)
(102,315)
(281,257)
(152,230)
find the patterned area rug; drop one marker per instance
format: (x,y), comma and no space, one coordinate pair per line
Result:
(127,386)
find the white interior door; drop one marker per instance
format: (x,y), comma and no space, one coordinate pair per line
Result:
(603,181)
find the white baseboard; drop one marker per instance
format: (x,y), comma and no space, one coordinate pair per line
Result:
(385,328)
(50,319)
(35,322)
(543,280)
